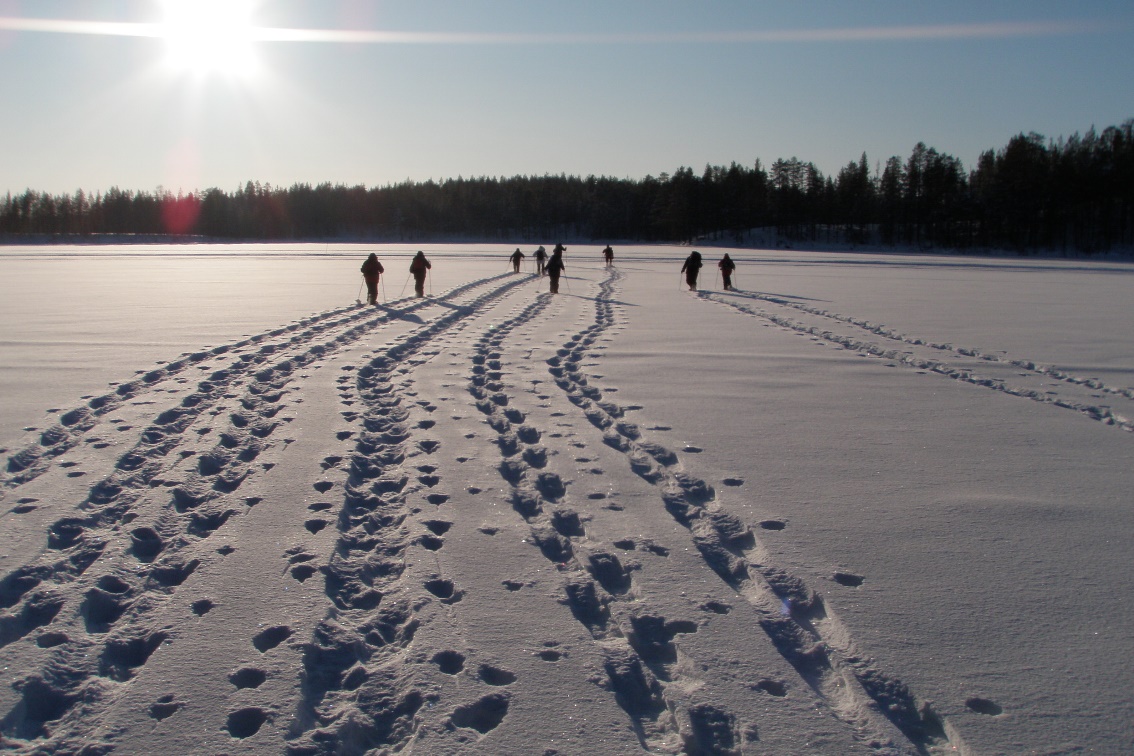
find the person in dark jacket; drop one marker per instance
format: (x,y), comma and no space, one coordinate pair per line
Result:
(691,268)
(608,255)
(418,268)
(540,260)
(555,268)
(372,270)
(727,266)
(516,257)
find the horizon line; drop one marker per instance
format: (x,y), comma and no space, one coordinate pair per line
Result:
(931,32)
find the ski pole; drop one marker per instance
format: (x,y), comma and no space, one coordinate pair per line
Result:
(429,274)
(383,289)
(358,296)
(403,291)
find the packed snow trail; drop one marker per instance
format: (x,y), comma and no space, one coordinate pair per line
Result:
(1047,384)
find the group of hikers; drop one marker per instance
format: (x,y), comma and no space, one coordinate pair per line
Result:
(372,271)
(693,265)
(552,267)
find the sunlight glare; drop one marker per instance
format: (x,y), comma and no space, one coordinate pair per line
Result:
(210,36)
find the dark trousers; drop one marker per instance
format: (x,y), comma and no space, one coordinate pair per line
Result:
(371,289)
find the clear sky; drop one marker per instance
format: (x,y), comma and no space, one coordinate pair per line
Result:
(139,94)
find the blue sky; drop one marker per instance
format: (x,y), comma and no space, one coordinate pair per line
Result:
(441,89)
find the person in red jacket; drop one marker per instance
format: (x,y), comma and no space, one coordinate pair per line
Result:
(372,270)
(418,268)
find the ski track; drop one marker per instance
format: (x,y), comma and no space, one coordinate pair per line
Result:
(364,683)
(1024,378)
(175,489)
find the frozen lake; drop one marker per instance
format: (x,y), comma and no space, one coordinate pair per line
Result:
(864,503)
(73,319)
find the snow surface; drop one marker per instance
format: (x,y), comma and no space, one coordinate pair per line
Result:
(862,504)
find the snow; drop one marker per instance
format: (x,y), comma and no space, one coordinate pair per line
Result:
(863,504)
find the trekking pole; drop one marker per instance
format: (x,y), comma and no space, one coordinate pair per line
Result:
(429,274)
(358,296)
(403,291)
(383,290)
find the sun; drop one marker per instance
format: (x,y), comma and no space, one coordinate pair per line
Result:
(210,36)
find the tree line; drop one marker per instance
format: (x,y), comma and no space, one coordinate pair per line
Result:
(1074,194)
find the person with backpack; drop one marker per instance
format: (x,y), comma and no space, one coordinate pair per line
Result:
(691,268)
(540,260)
(727,266)
(371,272)
(555,267)
(418,269)
(516,257)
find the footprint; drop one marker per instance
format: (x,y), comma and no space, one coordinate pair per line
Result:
(438,527)
(716,607)
(848,579)
(984,706)
(202,607)
(449,662)
(268,639)
(773,525)
(771,687)
(248,677)
(692,449)
(733,482)
(495,676)
(164,707)
(315,525)
(444,590)
(320,506)
(432,543)
(244,723)
(302,571)
(323,486)
(484,715)
(513,585)
(550,655)
(51,639)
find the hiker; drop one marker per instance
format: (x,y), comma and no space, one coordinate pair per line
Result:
(727,266)
(691,268)
(540,260)
(608,255)
(516,257)
(371,271)
(555,267)
(418,268)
